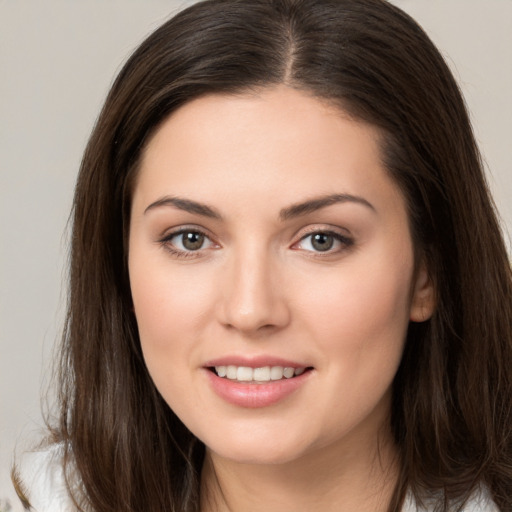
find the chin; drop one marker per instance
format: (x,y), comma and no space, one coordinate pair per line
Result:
(257,455)
(260,446)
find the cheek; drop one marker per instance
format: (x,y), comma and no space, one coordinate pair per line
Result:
(363,308)
(359,323)
(170,305)
(165,300)
(169,308)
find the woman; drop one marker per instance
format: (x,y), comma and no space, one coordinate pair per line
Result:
(289,289)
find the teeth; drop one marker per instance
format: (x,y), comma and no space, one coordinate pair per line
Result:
(289,372)
(231,372)
(276,373)
(261,374)
(264,374)
(244,374)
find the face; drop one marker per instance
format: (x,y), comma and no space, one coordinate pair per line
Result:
(272,274)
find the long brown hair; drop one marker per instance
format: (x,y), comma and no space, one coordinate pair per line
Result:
(452,411)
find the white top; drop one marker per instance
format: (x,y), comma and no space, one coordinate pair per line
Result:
(43,478)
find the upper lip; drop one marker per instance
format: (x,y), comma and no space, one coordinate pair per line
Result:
(254,362)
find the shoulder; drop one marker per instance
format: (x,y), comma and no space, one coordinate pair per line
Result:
(41,477)
(480,501)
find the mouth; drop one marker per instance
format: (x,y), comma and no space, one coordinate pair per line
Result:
(261,375)
(256,382)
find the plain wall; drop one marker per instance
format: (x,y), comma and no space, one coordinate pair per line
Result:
(57,60)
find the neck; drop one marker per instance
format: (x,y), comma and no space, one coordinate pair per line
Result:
(343,477)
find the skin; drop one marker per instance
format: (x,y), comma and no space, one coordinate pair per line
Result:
(258,286)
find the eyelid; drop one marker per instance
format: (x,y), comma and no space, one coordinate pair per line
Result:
(311,229)
(169,232)
(323,228)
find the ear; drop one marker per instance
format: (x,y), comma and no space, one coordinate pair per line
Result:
(423,301)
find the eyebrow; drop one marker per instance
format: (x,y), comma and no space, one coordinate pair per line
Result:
(318,203)
(295,210)
(186,205)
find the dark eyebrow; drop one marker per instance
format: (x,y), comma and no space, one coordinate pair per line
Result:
(296,210)
(187,205)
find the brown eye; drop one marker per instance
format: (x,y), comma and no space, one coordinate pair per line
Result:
(187,241)
(322,241)
(192,240)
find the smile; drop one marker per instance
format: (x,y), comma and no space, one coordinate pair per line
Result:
(257,380)
(263,374)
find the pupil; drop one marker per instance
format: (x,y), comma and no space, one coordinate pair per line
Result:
(193,241)
(322,241)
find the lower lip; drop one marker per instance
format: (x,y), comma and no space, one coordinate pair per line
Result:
(254,395)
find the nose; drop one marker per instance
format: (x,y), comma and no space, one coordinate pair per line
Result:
(253,298)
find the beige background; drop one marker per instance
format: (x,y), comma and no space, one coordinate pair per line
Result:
(57,60)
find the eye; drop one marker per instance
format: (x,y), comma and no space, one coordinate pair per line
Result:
(187,240)
(324,241)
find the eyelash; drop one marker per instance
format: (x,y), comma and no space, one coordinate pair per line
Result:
(179,253)
(344,241)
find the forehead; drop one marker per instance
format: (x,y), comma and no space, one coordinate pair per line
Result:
(277,143)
